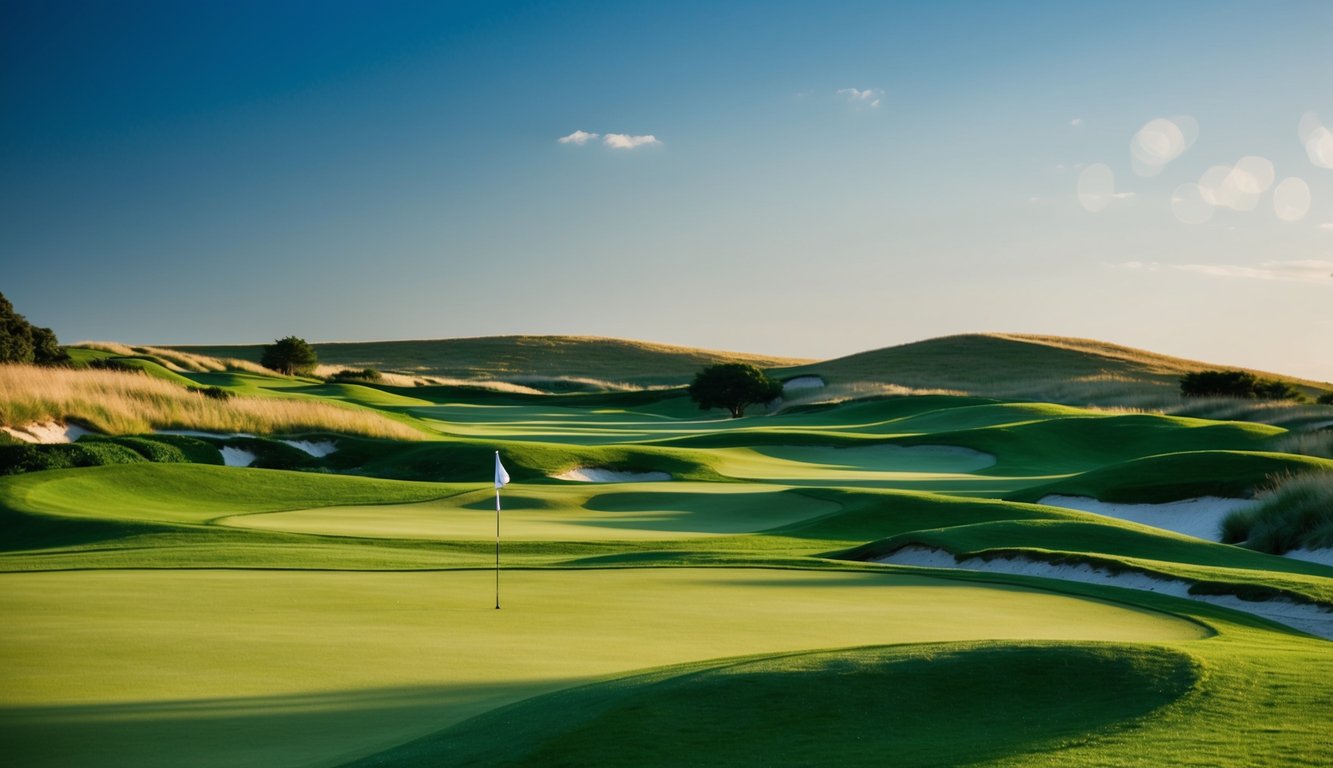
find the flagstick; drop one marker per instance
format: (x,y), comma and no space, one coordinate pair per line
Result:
(497,549)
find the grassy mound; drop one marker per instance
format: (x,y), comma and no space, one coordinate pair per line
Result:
(933,705)
(1175,476)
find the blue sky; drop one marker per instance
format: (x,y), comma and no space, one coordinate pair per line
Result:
(820,180)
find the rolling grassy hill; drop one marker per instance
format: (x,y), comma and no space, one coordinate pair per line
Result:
(516,358)
(1045,368)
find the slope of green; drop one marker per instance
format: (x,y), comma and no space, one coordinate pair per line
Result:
(1174,476)
(925,705)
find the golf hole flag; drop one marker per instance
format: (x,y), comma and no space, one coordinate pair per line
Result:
(501,480)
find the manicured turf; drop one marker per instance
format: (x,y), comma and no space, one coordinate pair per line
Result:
(415,652)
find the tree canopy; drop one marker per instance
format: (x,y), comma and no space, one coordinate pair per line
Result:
(23,342)
(290,355)
(733,386)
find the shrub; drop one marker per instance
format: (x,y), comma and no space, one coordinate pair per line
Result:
(32,457)
(1242,384)
(216,393)
(1325,399)
(363,374)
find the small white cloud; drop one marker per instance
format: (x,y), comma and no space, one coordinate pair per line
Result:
(869,97)
(577,137)
(626,141)
(1122,195)
(1076,122)
(1326,225)
(1305,271)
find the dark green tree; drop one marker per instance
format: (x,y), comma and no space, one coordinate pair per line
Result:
(21,342)
(732,386)
(46,350)
(291,356)
(1218,384)
(1325,399)
(15,335)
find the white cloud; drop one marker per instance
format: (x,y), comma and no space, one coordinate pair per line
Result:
(626,141)
(1076,122)
(1305,271)
(1122,195)
(868,97)
(577,137)
(1326,225)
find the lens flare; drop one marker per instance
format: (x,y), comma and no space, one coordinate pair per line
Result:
(1291,199)
(1096,187)
(1160,141)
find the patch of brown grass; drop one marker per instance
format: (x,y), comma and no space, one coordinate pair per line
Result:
(118,403)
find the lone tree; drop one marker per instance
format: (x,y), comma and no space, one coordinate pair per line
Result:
(291,356)
(732,386)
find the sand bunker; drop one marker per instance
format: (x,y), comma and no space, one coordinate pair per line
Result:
(1201,517)
(1321,556)
(802,382)
(1303,616)
(313,447)
(47,432)
(237,457)
(595,475)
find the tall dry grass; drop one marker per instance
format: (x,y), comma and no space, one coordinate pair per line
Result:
(179,361)
(1297,513)
(119,403)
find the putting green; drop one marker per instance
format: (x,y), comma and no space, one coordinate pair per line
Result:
(561,513)
(143,668)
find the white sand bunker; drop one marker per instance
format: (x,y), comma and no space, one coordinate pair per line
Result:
(47,432)
(1303,616)
(1320,556)
(1201,517)
(802,382)
(315,448)
(595,475)
(237,457)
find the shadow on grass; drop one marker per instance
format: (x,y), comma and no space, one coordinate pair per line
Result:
(940,705)
(294,729)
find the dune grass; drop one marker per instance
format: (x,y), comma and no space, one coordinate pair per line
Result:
(178,360)
(114,402)
(1296,514)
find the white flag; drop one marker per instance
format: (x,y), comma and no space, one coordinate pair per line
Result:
(501,476)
